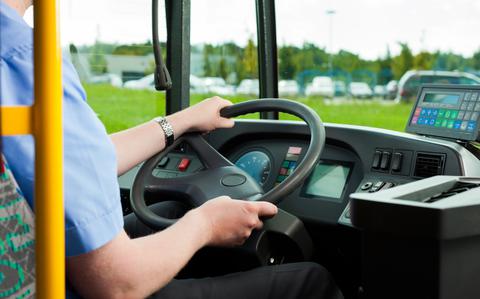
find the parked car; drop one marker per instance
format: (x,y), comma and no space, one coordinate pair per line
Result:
(380,91)
(197,86)
(147,82)
(217,85)
(360,90)
(321,86)
(411,81)
(340,88)
(249,87)
(111,79)
(392,89)
(288,88)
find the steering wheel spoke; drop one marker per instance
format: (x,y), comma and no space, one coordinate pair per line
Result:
(207,153)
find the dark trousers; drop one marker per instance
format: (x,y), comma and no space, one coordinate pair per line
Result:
(297,280)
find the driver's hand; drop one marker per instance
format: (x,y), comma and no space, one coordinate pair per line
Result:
(230,222)
(205,116)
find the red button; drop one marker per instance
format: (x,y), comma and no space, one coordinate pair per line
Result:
(294,150)
(183,164)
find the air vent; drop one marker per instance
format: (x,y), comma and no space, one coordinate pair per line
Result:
(427,164)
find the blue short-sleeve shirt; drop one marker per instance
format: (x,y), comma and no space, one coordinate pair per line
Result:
(93,213)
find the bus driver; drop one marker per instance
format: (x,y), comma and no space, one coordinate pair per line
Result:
(102,261)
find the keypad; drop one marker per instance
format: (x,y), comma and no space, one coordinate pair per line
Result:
(463,119)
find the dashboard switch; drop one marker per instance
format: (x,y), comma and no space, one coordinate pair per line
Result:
(387,185)
(376,159)
(385,163)
(163,162)
(377,186)
(366,186)
(184,164)
(397,161)
(295,150)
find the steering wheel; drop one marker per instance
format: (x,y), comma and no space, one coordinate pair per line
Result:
(220,176)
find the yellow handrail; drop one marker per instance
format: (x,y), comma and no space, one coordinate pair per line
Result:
(44,120)
(15,120)
(47,120)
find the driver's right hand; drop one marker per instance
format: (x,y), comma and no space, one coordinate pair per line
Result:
(229,222)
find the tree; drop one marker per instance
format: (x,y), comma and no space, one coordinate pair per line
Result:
(450,61)
(311,57)
(403,62)
(97,61)
(385,74)
(475,60)
(423,61)
(347,61)
(222,68)
(250,60)
(207,65)
(137,49)
(287,67)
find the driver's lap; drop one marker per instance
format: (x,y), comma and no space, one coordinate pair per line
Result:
(296,280)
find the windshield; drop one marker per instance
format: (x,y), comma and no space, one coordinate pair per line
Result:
(355,62)
(376,52)
(109,43)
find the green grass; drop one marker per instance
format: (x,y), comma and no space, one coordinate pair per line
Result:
(120,109)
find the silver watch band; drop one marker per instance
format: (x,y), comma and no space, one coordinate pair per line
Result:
(167,130)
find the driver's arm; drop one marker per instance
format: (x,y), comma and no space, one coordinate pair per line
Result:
(135,268)
(141,142)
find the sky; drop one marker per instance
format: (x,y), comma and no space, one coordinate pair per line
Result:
(365,27)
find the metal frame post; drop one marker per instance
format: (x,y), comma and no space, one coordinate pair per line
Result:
(178,54)
(267,52)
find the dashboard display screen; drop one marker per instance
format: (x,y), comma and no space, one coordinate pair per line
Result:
(442,98)
(328,180)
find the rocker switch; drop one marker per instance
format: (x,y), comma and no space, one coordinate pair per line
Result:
(397,161)
(183,164)
(385,163)
(376,159)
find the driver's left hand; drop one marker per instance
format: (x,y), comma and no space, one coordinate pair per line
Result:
(205,116)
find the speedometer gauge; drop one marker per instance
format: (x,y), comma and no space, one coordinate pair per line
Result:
(257,164)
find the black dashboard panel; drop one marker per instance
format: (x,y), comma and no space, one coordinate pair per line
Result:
(400,157)
(371,159)
(377,159)
(298,202)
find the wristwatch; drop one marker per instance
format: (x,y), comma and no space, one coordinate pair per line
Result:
(167,130)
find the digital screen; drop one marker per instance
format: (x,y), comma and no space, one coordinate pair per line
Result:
(442,98)
(328,180)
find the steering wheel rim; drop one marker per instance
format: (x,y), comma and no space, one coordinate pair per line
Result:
(219,166)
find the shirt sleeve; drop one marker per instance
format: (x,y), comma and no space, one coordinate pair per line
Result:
(93,212)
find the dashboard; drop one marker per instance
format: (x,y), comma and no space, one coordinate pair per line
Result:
(354,159)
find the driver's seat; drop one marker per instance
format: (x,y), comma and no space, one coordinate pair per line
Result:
(17,239)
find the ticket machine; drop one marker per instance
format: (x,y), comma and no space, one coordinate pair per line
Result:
(422,239)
